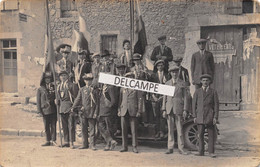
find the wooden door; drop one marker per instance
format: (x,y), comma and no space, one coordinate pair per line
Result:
(226,44)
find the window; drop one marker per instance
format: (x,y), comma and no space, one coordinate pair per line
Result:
(9,5)
(248,6)
(68,8)
(9,57)
(108,42)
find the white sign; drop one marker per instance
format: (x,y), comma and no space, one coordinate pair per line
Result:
(136,84)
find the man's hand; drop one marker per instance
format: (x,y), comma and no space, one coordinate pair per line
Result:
(138,114)
(195,120)
(118,114)
(164,115)
(184,114)
(214,121)
(95,116)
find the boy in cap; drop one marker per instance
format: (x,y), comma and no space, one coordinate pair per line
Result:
(202,62)
(126,56)
(130,108)
(161,78)
(175,110)
(65,101)
(162,52)
(87,98)
(205,107)
(46,106)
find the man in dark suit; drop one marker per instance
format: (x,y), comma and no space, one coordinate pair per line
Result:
(162,52)
(47,107)
(202,62)
(183,72)
(205,107)
(175,110)
(82,67)
(162,78)
(88,100)
(65,101)
(130,108)
(107,100)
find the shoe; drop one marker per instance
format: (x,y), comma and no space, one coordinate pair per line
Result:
(124,150)
(46,144)
(83,147)
(169,151)
(198,154)
(66,145)
(212,155)
(107,148)
(72,146)
(53,143)
(183,152)
(135,150)
(93,148)
(113,144)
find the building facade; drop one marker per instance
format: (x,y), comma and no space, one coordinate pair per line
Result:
(232,28)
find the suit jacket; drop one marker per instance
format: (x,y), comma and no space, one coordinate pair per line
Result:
(107,101)
(178,102)
(167,52)
(130,101)
(80,70)
(45,100)
(201,65)
(87,98)
(65,97)
(205,107)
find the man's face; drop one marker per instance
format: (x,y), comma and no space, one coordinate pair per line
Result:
(81,56)
(162,41)
(121,71)
(63,77)
(96,59)
(178,63)
(202,45)
(174,74)
(47,80)
(205,82)
(65,54)
(160,67)
(137,62)
(127,46)
(88,82)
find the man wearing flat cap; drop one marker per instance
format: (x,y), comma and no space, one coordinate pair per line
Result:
(87,99)
(65,100)
(162,52)
(129,109)
(175,110)
(46,106)
(205,108)
(202,62)
(183,72)
(83,66)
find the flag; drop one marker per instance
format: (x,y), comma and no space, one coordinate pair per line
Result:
(83,28)
(140,40)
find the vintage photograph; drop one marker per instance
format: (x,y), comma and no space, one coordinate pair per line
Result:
(129,83)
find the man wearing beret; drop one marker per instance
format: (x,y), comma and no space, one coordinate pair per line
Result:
(175,110)
(130,108)
(126,56)
(87,99)
(65,101)
(161,78)
(47,107)
(202,62)
(205,107)
(162,52)
(82,67)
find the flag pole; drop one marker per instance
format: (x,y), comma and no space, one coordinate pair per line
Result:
(51,63)
(131,25)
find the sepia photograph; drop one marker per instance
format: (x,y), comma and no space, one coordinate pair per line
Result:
(129,83)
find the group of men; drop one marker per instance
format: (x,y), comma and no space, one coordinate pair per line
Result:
(99,105)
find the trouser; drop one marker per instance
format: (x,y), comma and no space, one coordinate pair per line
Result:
(50,126)
(159,120)
(88,123)
(125,120)
(173,119)
(105,128)
(68,126)
(201,131)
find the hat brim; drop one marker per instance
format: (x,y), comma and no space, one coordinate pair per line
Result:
(88,78)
